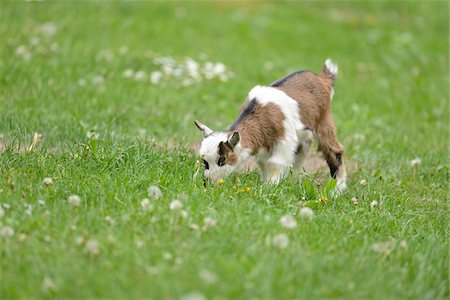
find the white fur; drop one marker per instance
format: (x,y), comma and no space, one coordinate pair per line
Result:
(275,166)
(209,152)
(332,67)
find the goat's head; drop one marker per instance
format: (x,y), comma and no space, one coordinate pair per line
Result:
(218,152)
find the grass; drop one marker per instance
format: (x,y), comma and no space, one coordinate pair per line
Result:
(61,67)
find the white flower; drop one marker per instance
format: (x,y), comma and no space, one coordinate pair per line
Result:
(183,214)
(74,200)
(207,276)
(146,204)
(110,220)
(92,247)
(385,248)
(128,73)
(41,202)
(23,52)
(47,181)
(28,209)
(268,65)
(6,231)
(363,182)
(48,285)
(306,212)
(288,221)
(123,50)
(208,223)
(154,192)
(79,240)
(194,227)
(280,241)
(403,244)
(167,256)
(82,82)
(373,204)
(98,80)
(415,162)
(140,76)
(139,244)
(6,205)
(176,205)
(49,29)
(54,47)
(155,77)
(2,212)
(193,296)
(355,201)
(91,134)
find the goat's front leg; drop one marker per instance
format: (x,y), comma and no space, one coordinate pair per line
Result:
(275,172)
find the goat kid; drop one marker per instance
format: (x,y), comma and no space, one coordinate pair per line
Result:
(276,124)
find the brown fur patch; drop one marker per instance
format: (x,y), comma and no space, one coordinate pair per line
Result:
(226,151)
(262,128)
(312,94)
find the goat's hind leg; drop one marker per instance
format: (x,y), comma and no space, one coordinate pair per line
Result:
(333,152)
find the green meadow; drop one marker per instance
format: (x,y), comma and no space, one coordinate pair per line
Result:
(97,142)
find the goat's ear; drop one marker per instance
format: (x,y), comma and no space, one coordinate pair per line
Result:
(203,128)
(234,139)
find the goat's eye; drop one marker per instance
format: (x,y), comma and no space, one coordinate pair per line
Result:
(221,161)
(206,165)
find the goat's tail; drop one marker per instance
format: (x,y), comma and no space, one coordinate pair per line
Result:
(329,70)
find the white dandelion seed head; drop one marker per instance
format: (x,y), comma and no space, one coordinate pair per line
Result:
(306,212)
(98,80)
(128,73)
(184,214)
(123,50)
(74,200)
(92,247)
(167,256)
(79,240)
(373,204)
(155,77)
(92,135)
(146,204)
(48,285)
(139,244)
(140,76)
(49,29)
(28,209)
(415,162)
(23,52)
(6,231)
(176,205)
(110,220)
(288,221)
(193,296)
(208,223)
(384,248)
(154,192)
(280,241)
(207,276)
(403,244)
(54,47)
(82,82)
(47,181)
(268,65)
(22,237)
(194,227)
